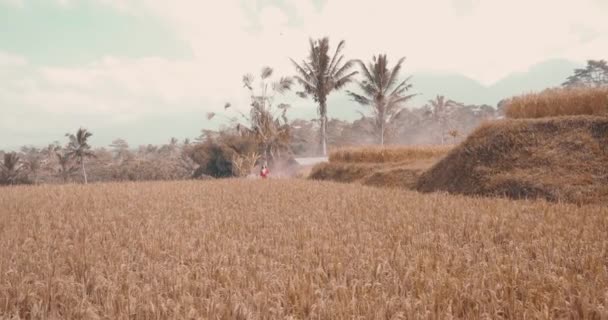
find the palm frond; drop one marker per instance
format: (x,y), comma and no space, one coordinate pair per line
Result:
(359,98)
(283,85)
(335,59)
(394,74)
(266,72)
(340,83)
(343,70)
(247,81)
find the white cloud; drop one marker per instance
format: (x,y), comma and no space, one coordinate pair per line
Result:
(489,40)
(482,39)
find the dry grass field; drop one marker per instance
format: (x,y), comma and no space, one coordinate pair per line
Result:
(295,249)
(559,102)
(390,166)
(377,154)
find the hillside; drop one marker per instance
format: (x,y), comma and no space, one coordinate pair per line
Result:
(562,159)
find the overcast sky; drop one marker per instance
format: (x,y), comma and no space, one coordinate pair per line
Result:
(153,68)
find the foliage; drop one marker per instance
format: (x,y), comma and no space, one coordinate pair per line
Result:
(10,169)
(382,92)
(440,109)
(215,156)
(66,167)
(267,123)
(79,148)
(321,74)
(594,75)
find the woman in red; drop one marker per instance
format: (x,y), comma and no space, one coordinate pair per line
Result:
(265,172)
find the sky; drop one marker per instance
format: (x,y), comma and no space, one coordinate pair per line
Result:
(149,70)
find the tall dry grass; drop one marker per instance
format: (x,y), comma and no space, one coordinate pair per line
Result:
(559,102)
(287,249)
(378,154)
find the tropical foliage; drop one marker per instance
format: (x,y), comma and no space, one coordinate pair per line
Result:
(595,74)
(320,75)
(383,92)
(79,148)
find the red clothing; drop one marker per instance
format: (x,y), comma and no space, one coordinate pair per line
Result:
(265,172)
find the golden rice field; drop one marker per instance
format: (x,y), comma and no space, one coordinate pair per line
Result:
(383,154)
(559,102)
(294,249)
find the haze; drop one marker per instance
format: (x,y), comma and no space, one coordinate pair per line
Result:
(148,70)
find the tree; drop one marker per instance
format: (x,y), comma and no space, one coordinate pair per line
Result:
(440,110)
(34,160)
(10,168)
(66,169)
(120,148)
(266,122)
(382,91)
(595,74)
(322,74)
(78,148)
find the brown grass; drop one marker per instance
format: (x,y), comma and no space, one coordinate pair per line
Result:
(395,175)
(559,102)
(376,154)
(294,249)
(397,167)
(558,159)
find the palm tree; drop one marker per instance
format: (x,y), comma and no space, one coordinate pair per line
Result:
(10,168)
(322,74)
(383,92)
(440,109)
(79,148)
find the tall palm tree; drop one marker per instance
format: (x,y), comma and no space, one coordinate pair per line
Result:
(440,109)
(79,148)
(10,168)
(321,74)
(383,92)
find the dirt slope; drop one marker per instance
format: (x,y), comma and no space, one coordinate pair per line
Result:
(558,159)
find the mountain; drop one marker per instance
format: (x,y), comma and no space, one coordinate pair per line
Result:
(456,87)
(544,75)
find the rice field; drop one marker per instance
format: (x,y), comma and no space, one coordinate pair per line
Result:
(294,249)
(383,154)
(559,102)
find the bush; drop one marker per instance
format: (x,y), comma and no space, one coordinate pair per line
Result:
(215,156)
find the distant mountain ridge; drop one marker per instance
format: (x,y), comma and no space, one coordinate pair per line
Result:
(544,75)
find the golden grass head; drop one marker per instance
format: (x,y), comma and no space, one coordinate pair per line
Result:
(559,102)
